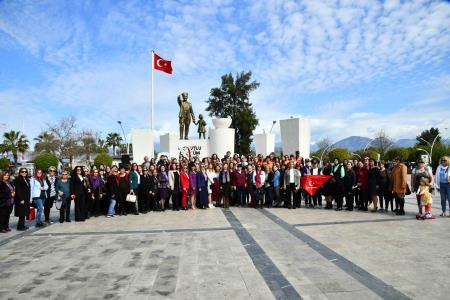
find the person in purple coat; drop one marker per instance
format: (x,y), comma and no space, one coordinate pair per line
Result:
(193,186)
(202,186)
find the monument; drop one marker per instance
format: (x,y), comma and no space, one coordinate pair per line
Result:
(264,143)
(295,135)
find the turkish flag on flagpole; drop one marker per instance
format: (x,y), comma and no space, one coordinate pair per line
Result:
(162,64)
(312,183)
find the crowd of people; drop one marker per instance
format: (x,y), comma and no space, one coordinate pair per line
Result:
(247,181)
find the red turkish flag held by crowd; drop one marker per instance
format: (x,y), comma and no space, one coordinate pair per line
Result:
(162,64)
(312,183)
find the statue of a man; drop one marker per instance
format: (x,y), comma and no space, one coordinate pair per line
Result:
(185,115)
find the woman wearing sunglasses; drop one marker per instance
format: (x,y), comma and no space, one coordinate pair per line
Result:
(22,198)
(38,190)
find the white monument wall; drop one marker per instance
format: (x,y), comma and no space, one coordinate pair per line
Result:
(143,145)
(264,143)
(296,135)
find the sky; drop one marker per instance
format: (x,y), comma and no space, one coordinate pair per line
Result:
(352,67)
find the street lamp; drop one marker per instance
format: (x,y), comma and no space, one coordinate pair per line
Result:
(323,152)
(429,157)
(273,124)
(370,142)
(124,136)
(431,151)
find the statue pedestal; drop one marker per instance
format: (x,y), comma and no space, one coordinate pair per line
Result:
(295,136)
(171,144)
(220,141)
(264,143)
(142,140)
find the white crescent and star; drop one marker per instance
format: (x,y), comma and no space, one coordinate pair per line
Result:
(311,183)
(164,64)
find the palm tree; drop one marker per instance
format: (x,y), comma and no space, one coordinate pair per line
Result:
(102,147)
(45,142)
(15,142)
(113,140)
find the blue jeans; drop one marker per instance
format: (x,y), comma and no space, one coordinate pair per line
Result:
(112,204)
(39,207)
(445,195)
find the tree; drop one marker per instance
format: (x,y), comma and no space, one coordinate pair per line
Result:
(382,142)
(15,142)
(102,147)
(88,142)
(370,153)
(232,100)
(4,164)
(113,140)
(103,159)
(45,160)
(340,153)
(66,138)
(392,153)
(428,135)
(324,144)
(45,142)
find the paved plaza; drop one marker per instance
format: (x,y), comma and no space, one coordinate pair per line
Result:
(236,253)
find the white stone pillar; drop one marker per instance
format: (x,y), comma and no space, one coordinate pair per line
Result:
(221,138)
(169,143)
(296,135)
(143,145)
(264,143)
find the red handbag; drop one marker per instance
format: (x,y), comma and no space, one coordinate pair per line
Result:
(32,214)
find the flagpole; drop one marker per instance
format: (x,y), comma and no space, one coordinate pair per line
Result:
(152,100)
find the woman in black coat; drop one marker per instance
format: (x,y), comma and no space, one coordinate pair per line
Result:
(349,186)
(6,201)
(144,191)
(79,192)
(22,198)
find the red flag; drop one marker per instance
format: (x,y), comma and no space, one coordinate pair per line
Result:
(311,183)
(162,64)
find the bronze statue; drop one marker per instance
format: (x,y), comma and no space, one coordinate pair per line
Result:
(185,115)
(201,126)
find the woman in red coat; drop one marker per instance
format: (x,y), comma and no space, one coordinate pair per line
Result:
(184,181)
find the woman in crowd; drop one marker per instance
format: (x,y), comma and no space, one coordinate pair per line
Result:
(51,195)
(144,191)
(22,198)
(268,187)
(239,182)
(112,192)
(225,185)
(276,185)
(79,193)
(184,183)
(399,185)
(123,184)
(259,179)
(63,190)
(327,186)
(38,190)
(95,183)
(383,190)
(443,184)
(153,188)
(417,174)
(202,187)
(163,187)
(174,183)
(211,174)
(104,202)
(338,183)
(373,178)
(363,186)
(7,194)
(349,185)
(193,186)
(134,179)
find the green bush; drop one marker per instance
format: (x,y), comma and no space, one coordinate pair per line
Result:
(340,153)
(103,159)
(4,163)
(45,160)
